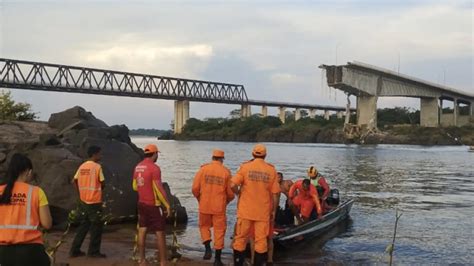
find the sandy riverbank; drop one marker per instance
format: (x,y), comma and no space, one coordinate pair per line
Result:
(117,244)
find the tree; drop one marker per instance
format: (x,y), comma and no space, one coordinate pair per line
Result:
(11,110)
(235,113)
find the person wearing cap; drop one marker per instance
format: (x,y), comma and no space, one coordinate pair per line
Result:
(303,198)
(258,189)
(153,206)
(321,185)
(211,187)
(89,180)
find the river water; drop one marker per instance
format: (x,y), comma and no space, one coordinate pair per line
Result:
(432,186)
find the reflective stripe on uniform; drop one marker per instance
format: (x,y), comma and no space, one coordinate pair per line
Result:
(90,188)
(27,225)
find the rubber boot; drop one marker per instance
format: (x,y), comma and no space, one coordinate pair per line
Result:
(217,258)
(260,259)
(208,252)
(239,258)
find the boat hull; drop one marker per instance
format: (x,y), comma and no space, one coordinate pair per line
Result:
(310,230)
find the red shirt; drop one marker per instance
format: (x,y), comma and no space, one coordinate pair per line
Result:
(147,181)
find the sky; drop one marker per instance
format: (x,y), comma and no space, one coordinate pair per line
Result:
(273,48)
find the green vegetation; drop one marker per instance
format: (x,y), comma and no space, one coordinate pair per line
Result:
(397,116)
(161,134)
(11,110)
(257,128)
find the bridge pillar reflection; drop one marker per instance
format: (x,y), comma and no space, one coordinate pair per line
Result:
(429,112)
(245,111)
(367,111)
(264,111)
(312,113)
(282,114)
(181,115)
(326,114)
(297,114)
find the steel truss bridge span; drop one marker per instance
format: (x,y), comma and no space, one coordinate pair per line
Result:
(28,75)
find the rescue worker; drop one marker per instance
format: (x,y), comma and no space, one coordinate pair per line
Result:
(319,182)
(303,198)
(257,186)
(211,187)
(89,180)
(153,206)
(23,209)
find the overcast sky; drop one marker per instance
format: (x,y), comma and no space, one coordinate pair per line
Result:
(273,48)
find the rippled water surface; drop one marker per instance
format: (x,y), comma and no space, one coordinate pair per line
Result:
(433,186)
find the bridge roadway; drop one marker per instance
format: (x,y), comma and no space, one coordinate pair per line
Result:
(369,82)
(27,75)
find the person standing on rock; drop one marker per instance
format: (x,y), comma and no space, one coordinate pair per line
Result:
(257,185)
(89,180)
(23,209)
(153,206)
(211,187)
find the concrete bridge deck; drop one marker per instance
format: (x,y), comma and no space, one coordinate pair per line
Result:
(369,82)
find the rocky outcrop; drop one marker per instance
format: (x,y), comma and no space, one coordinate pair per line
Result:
(58,147)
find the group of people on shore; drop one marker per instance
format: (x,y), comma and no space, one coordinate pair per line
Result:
(257,185)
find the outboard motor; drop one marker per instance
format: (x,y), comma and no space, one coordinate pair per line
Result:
(333,198)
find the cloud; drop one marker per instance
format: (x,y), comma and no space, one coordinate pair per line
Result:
(273,48)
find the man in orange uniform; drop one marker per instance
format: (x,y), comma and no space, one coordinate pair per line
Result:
(211,187)
(153,206)
(257,186)
(303,198)
(89,180)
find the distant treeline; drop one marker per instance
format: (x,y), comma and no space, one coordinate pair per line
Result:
(161,134)
(270,128)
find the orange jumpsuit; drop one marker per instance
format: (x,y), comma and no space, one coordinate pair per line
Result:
(258,181)
(211,187)
(305,200)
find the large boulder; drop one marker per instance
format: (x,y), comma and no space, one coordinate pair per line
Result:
(72,116)
(58,148)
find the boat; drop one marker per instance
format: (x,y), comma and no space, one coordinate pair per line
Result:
(288,237)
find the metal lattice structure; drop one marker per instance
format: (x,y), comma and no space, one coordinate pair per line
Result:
(27,75)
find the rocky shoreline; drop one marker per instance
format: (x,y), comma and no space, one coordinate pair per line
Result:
(398,134)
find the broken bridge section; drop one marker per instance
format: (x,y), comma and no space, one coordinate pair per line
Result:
(369,82)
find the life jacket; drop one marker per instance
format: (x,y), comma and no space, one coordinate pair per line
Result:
(315,182)
(19,220)
(90,188)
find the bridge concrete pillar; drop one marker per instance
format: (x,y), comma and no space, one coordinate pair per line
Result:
(339,114)
(297,114)
(367,111)
(181,115)
(429,112)
(264,111)
(326,114)
(245,111)
(455,112)
(282,114)
(312,113)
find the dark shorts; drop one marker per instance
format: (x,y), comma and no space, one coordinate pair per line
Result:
(151,217)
